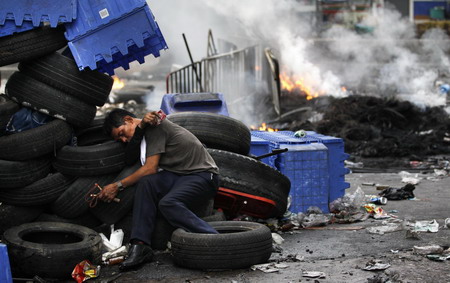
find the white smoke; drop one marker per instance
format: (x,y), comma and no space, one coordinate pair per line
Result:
(388,61)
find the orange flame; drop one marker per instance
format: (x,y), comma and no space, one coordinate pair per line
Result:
(291,84)
(118,83)
(264,127)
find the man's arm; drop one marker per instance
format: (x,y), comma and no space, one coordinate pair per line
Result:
(110,191)
(133,149)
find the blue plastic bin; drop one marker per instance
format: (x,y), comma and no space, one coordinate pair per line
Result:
(259,146)
(306,165)
(5,269)
(201,101)
(38,11)
(93,14)
(336,159)
(117,43)
(10,28)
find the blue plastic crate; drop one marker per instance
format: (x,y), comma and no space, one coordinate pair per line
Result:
(259,146)
(121,41)
(93,14)
(10,28)
(336,158)
(5,269)
(203,102)
(306,165)
(37,11)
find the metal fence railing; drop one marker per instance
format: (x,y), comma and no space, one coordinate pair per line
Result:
(244,77)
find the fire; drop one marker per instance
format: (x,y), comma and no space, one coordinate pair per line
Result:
(291,84)
(118,83)
(264,127)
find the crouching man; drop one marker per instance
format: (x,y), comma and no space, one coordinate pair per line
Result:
(178,175)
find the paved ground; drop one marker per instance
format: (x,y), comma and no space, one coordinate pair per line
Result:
(340,251)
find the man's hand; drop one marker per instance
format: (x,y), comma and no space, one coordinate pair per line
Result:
(150,118)
(109,192)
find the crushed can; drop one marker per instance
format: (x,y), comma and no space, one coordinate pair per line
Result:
(378,200)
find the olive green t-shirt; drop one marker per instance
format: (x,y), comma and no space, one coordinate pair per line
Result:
(181,151)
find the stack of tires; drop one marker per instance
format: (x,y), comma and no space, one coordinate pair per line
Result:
(239,244)
(38,170)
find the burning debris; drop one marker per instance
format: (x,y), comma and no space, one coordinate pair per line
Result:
(373,127)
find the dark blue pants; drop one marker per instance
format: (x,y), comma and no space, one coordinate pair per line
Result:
(175,196)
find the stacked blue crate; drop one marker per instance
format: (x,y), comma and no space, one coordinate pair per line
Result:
(336,159)
(259,146)
(306,165)
(22,15)
(111,34)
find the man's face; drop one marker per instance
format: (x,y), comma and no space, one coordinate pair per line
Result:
(125,132)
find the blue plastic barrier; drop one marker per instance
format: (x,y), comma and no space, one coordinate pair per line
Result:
(22,15)
(306,165)
(117,42)
(5,269)
(202,102)
(259,146)
(336,158)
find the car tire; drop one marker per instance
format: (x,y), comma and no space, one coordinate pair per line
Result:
(48,100)
(7,109)
(50,249)
(31,44)
(35,142)
(74,202)
(61,72)
(239,244)
(215,130)
(110,213)
(43,191)
(17,174)
(248,175)
(92,160)
(12,215)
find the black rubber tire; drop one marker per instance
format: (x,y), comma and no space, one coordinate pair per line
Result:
(215,130)
(111,213)
(86,220)
(98,159)
(43,191)
(31,44)
(50,249)
(163,229)
(72,203)
(62,73)
(239,244)
(17,174)
(11,215)
(35,142)
(48,100)
(93,134)
(248,175)
(7,109)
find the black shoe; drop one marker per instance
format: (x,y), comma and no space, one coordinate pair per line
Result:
(138,254)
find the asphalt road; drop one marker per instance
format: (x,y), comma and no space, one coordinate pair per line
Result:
(338,251)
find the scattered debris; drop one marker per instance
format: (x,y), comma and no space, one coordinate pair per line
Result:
(405,192)
(381,230)
(412,235)
(269,267)
(277,239)
(375,265)
(314,274)
(85,270)
(427,250)
(447,222)
(426,226)
(438,257)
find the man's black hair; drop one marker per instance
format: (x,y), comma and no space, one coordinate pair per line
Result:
(114,119)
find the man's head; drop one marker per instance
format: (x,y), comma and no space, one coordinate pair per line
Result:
(120,124)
